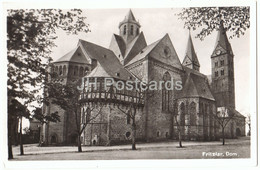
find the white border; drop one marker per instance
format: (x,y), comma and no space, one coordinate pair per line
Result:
(137,164)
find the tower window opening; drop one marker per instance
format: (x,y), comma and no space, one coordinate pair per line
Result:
(222,72)
(216,64)
(137,31)
(216,74)
(124,30)
(222,62)
(132,30)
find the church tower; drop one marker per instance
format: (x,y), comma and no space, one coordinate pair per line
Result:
(129,28)
(222,62)
(191,60)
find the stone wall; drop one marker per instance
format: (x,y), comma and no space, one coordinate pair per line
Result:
(111,126)
(199,121)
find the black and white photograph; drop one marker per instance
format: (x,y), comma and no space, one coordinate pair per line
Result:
(133,82)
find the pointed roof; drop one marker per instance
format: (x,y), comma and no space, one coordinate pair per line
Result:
(109,64)
(144,52)
(196,85)
(129,18)
(134,47)
(152,50)
(98,71)
(222,39)
(75,55)
(121,44)
(190,53)
(127,51)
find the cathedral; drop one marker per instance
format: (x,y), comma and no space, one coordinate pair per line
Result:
(161,114)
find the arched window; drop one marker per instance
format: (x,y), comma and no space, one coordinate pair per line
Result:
(166,92)
(75,71)
(53,139)
(137,31)
(182,114)
(128,119)
(64,70)
(206,114)
(132,30)
(192,114)
(158,134)
(124,30)
(60,70)
(81,71)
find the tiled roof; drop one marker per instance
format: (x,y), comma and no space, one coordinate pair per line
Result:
(144,52)
(119,41)
(129,18)
(238,114)
(107,60)
(75,55)
(196,85)
(134,47)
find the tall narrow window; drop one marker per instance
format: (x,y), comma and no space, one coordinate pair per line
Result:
(166,92)
(137,31)
(192,114)
(60,70)
(222,62)
(182,114)
(132,30)
(64,70)
(75,71)
(216,64)
(128,119)
(124,29)
(216,73)
(222,72)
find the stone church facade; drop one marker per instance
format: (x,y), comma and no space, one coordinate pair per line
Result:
(162,112)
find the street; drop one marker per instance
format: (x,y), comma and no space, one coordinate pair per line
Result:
(234,148)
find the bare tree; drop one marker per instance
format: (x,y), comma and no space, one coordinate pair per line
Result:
(223,117)
(68,98)
(175,114)
(87,117)
(130,111)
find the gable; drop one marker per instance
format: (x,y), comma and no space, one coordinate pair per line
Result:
(165,53)
(143,53)
(186,61)
(76,55)
(217,49)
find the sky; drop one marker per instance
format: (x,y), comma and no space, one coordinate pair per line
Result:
(155,23)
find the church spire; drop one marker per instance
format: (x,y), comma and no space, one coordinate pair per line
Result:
(222,40)
(129,27)
(191,59)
